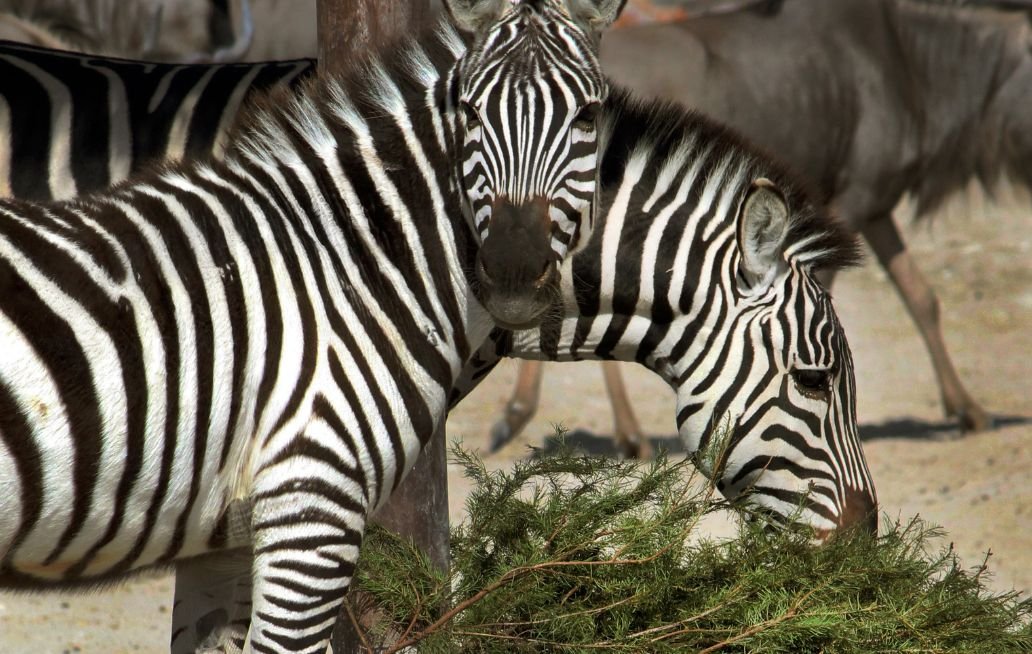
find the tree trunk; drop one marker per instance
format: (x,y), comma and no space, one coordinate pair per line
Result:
(348,28)
(418,509)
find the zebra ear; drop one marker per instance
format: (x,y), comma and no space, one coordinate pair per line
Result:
(475,15)
(762,228)
(595,15)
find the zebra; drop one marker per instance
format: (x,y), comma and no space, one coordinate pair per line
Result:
(280,330)
(716,291)
(73,123)
(718,251)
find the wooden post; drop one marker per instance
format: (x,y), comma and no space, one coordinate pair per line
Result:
(348,28)
(418,509)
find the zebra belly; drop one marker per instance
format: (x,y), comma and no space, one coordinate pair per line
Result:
(88,501)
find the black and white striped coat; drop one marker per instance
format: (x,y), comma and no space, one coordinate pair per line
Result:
(73,123)
(279,330)
(702,268)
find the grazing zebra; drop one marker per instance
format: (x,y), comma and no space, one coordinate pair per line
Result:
(716,293)
(73,123)
(901,97)
(280,331)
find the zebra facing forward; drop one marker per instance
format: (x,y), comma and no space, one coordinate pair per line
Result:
(716,293)
(282,329)
(73,123)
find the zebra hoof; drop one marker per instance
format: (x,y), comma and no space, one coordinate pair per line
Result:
(501,434)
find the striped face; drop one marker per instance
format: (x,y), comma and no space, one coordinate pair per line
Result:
(528,97)
(792,442)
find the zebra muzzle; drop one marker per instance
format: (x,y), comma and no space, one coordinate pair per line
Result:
(517,271)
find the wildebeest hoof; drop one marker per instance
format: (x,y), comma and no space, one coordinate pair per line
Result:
(635,446)
(501,434)
(970,418)
(975,420)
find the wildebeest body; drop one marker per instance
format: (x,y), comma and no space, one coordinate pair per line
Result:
(869,100)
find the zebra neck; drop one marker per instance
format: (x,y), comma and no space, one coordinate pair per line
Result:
(380,144)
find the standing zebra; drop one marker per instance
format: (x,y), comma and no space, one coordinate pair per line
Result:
(73,123)
(716,292)
(281,330)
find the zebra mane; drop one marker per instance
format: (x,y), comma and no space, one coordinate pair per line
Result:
(816,239)
(384,84)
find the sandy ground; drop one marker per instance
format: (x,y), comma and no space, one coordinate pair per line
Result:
(979,488)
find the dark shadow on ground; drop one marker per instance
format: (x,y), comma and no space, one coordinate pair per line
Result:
(587,442)
(926,430)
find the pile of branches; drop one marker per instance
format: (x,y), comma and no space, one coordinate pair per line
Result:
(577,554)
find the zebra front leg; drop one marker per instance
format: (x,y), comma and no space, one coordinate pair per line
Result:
(521,406)
(310,510)
(923,306)
(212,607)
(628,434)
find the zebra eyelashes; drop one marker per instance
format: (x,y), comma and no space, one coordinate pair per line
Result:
(469,115)
(814,384)
(587,117)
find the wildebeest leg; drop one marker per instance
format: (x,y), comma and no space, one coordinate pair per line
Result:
(521,406)
(628,435)
(884,238)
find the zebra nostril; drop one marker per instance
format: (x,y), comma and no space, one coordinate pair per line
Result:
(547,276)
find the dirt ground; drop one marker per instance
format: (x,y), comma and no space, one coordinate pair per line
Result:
(979,487)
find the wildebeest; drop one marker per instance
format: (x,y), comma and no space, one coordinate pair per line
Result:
(870,100)
(159,30)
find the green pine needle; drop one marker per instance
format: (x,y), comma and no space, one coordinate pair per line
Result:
(570,553)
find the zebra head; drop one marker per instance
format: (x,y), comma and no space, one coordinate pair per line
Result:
(789,442)
(528,92)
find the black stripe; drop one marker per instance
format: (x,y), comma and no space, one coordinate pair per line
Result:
(16,433)
(30,132)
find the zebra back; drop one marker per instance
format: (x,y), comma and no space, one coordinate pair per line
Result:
(73,123)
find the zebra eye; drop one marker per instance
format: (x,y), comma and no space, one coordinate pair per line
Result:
(469,114)
(813,383)
(585,120)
